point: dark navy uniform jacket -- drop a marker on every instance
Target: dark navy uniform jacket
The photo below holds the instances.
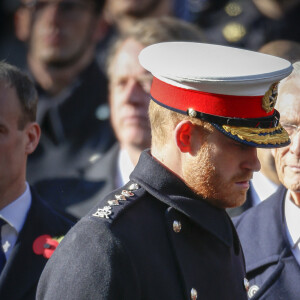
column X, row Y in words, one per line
column 272, row 270
column 152, row 239
column 19, row 278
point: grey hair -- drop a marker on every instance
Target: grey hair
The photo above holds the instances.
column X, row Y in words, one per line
column 296, row 70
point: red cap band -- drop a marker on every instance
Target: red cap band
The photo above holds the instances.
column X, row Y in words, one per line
column 214, row 104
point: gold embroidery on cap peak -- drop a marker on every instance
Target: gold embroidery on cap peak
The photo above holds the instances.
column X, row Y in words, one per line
column 270, row 97
column 259, row 135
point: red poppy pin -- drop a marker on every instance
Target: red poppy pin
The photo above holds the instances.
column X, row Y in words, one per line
column 45, row 245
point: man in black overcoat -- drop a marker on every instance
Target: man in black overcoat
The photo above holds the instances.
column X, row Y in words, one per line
column 29, row 229
column 272, row 254
column 61, row 38
column 165, row 234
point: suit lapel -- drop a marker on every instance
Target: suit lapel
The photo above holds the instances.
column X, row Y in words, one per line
column 23, row 268
column 21, row 274
column 76, row 196
column 100, row 179
column 272, row 253
column 284, row 277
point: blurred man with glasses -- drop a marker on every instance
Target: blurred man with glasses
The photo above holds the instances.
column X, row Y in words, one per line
column 61, row 37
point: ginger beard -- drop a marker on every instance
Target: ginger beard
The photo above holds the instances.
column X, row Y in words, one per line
column 202, row 176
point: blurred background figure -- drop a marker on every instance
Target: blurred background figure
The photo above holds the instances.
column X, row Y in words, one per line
column 125, row 13
column 272, row 254
column 246, row 23
column 11, row 49
column 61, row 38
column 286, row 49
column 24, row 217
column 129, row 96
column 121, row 15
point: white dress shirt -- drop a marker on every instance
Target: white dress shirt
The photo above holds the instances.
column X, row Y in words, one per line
column 263, row 187
column 292, row 219
column 15, row 215
column 125, row 167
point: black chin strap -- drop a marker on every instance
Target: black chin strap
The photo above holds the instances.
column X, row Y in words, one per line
column 267, row 122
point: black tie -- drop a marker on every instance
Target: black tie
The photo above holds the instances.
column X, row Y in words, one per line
column 2, row 255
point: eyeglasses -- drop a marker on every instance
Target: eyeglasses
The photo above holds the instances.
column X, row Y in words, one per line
column 291, row 128
column 66, row 8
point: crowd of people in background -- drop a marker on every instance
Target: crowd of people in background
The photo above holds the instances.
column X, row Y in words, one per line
column 92, row 123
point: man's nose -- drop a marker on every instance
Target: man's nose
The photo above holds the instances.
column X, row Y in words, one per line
column 252, row 162
column 135, row 93
column 295, row 144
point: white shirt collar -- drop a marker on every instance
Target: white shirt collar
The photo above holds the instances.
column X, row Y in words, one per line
column 16, row 212
column 125, row 167
column 292, row 217
column 263, row 186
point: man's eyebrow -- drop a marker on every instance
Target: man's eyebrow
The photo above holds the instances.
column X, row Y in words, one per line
column 146, row 76
column 290, row 120
column 2, row 126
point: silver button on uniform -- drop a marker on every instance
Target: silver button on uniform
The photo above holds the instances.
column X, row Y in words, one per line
column 252, row 290
column 246, row 284
column 176, row 226
column 133, row 187
column 194, row 294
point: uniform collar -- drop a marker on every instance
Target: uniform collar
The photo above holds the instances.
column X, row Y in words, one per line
column 170, row 189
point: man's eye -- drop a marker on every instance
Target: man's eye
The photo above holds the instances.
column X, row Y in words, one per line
column 120, row 83
column 289, row 128
column 146, row 85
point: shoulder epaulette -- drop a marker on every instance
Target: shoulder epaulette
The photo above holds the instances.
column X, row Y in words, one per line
column 113, row 205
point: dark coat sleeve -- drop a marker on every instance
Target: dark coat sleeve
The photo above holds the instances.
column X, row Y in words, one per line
column 90, row 263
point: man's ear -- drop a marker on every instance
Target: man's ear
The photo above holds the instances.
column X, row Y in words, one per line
column 183, row 134
column 22, row 24
column 100, row 30
column 33, row 132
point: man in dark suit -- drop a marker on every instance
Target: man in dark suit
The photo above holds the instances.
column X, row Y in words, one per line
column 165, row 234
column 270, row 232
column 72, row 111
column 30, row 229
column 129, row 96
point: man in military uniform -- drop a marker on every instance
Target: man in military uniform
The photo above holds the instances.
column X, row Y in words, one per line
column 165, row 234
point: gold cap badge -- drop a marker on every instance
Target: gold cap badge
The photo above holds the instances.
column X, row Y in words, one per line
column 270, row 97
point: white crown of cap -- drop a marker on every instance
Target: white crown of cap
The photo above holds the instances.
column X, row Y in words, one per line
column 214, row 68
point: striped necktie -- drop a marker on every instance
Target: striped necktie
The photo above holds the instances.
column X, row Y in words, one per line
column 2, row 255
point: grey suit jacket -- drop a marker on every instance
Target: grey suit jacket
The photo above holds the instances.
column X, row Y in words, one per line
column 272, row 269
column 76, row 196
